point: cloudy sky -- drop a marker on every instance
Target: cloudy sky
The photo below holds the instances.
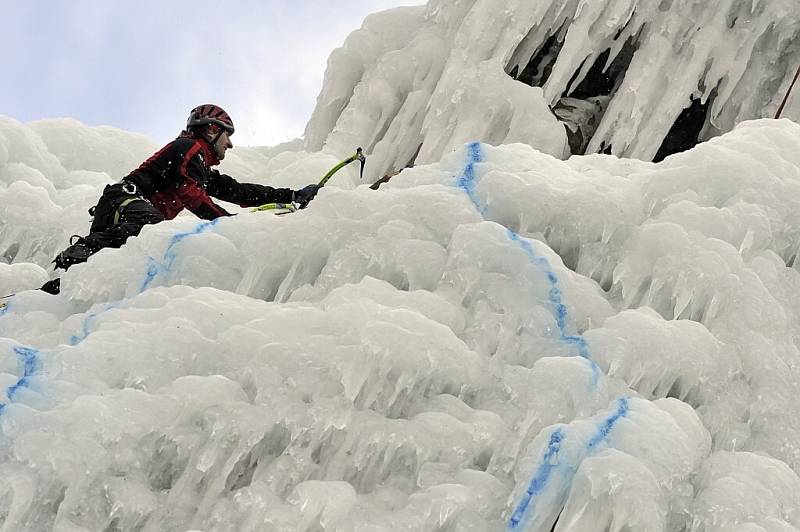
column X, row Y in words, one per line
column 140, row 65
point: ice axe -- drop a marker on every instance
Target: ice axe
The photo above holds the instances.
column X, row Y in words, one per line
column 358, row 156
column 286, row 208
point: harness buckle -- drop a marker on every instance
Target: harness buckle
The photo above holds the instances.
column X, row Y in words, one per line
column 129, row 188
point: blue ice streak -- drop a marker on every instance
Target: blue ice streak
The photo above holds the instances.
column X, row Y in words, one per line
column 550, row 463
column 154, row 268
column 30, row 359
column 467, row 181
column 554, row 295
column 623, row 407
column 86, row 329
column 540, row 478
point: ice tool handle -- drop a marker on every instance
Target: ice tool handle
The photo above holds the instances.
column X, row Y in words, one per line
column 286, row 208
column 358, row 156
column 277, row 208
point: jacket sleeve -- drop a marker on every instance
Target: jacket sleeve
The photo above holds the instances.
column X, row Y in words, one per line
column 192, row 190
column 226, row 188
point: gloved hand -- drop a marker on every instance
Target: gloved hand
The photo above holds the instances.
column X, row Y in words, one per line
column 304, row 196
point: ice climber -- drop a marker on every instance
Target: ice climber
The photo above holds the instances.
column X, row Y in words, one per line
column 177, row 176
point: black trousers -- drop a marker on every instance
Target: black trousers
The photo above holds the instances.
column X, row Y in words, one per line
column 120, row 213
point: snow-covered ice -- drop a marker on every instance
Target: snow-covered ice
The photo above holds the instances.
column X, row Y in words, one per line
column 416, row 82
column 497, row 340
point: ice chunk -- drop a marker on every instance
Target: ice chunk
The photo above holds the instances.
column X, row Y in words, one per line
column 743, row 491
column 546, row 474
column 425, row 356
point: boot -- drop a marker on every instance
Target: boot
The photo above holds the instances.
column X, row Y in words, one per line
column 78, row 251
column 52, row 287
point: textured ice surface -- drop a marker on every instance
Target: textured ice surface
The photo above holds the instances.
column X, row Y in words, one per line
column 414, row 83
column 500, row 340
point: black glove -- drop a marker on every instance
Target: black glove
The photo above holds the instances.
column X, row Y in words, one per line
column 304, row 196
column 78, row 252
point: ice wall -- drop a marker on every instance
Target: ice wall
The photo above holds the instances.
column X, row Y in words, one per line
column 413, row 83
column 52, row 171
column 499, row 340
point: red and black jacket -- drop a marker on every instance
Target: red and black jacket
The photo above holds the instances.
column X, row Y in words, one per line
column 179, row 175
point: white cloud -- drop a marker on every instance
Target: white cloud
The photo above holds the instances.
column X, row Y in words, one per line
column 141, row 65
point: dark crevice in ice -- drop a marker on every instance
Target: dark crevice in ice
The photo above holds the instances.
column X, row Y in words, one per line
column 555, row 523
column 166, row 464
column 685, row 132
column 10, row 253
column 540, row 65
column 583, row 104
column 385, row 179
column 602, row 81
column 581, row 108
column 272, row 445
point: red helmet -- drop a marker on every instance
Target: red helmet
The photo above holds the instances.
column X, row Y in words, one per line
column 209, row 114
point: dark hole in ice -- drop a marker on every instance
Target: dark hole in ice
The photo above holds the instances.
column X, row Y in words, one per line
column 685, row 132
column 10, row 253
column 601, row 81
column 582, row 108
column 538, row 69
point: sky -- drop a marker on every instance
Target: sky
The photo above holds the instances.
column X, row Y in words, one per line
column 141, row 65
